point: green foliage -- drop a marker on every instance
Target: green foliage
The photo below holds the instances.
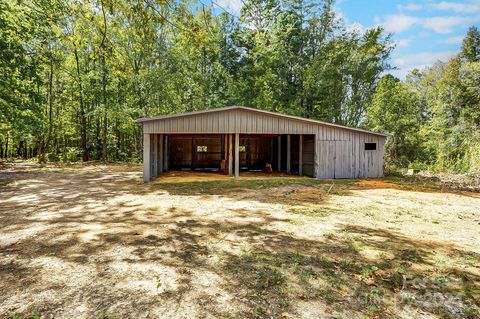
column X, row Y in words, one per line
column 417, row 165
column 395, row 109
column 471, row 45
column 76, row 74
column 434, row 117
column 71, row 154
column 34, row 315
column 455, row 123
column 105, row 315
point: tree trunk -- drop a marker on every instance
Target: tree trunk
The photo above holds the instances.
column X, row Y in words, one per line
column 50, row 107
column 104, row 86
column 6, row 146
column 83, row 121
column 105, row 118
column 118, row 140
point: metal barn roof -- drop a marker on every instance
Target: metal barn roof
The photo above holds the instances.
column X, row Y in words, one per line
column 259, row 111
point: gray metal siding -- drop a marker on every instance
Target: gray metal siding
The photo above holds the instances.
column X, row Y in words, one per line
column 339, row 152
column 231, row 121
column 326, row 159
column 344, row 159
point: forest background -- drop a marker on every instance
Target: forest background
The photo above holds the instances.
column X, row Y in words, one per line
column 75, row 75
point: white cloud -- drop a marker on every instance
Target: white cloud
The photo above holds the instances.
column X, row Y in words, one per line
column 408, row 62
column 410, row 7
column 350, row 26
column 453, row 40
column 471, row 7
column 356, row 27
column 234, row 5
column 399, row 73
column 339, row 14
column 423, row 58
column 399, row 22
column 445, row 24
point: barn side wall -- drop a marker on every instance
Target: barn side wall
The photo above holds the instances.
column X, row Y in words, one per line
column 347, row 158
column 338, row 152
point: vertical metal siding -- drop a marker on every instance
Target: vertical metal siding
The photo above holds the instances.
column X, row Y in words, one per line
column 326, row 159
column 353, row 160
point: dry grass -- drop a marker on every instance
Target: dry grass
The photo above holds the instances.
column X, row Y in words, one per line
column 95, row 242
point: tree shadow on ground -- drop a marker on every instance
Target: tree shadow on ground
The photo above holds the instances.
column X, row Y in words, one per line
column 273, row 271
column 197, row 266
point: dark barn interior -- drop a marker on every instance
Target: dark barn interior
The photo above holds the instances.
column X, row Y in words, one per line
column 210, row 152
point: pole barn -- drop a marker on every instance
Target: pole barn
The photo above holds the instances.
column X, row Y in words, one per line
column 237, row 138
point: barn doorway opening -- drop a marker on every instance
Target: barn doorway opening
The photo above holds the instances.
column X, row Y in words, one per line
column 255, row 152
column 195, row 152
column 215, row 152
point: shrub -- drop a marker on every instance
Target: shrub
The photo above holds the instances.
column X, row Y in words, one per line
column 71, row 154
column 52, row 157
column 417, row 165
column 393, row 170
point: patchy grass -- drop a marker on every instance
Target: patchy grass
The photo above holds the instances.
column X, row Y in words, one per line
column 320, row 211
column 6, row 181
column 95, row 242
column 230, row 185
column 443, row 182
column 34, row 315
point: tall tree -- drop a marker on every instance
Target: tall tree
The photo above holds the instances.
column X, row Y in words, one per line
column 395, row 109
column 81, row 72
column 471, row 45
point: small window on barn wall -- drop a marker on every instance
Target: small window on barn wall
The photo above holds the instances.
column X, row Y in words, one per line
column 370, row 146
column 242, row 148
column 202, row 149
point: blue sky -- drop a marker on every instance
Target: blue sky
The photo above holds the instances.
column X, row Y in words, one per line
column 425, row 30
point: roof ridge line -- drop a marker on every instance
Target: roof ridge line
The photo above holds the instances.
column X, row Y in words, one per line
column 233, row 107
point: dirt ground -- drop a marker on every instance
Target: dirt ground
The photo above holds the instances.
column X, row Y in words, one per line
column 95, row 242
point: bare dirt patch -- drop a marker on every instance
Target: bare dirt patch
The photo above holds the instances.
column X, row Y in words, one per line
column 88, row 241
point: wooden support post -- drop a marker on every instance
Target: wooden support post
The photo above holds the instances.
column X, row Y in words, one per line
column 194, row 152
column 316, row 158
column 230, row 154
column 155, row 155
column 225, row 153
column 237, row 155
column 271, row 152
column 289, row 153
column 279, row 146
column 225, row 147
column 146, row 158
column 160, row 154
column 152, row 156
column 165, row 153
column 300, row 155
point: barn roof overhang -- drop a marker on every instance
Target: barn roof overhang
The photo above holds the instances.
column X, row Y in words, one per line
column 250, row 109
